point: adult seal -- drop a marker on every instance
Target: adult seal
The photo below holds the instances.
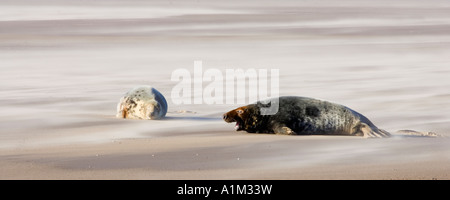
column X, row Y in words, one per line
column 303, row 116
column 143, row 102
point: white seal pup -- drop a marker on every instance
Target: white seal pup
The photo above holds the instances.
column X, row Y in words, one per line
column 304, row 116
column 142, row 102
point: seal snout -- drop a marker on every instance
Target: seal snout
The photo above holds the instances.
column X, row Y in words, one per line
column 235, row 116
column 228, row 118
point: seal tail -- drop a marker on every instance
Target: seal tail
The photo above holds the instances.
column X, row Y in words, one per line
column 384, row 133
column 374, row 132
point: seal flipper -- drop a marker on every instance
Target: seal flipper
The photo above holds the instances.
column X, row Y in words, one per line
column 283, row 130
column 412, row 133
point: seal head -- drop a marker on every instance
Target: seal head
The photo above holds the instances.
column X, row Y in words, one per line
column 246, row 118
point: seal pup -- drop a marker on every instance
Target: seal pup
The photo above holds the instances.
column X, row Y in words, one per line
column 303, row 116
column 142, row 102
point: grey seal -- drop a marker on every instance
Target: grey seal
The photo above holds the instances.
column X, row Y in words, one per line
column 303, row 116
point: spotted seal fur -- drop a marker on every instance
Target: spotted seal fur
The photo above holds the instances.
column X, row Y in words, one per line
column 142, row 102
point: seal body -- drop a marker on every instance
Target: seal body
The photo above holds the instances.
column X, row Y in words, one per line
column 303, row 116
column 143, row 102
